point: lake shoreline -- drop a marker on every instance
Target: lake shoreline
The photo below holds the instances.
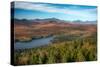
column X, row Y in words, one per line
column 33, row 43
column 32, row 38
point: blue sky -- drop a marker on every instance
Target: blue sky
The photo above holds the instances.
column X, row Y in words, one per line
column 28, row 10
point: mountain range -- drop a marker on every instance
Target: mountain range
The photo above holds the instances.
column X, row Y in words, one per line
column 50, row 20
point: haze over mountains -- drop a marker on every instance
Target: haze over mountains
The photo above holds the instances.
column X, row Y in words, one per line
column 51, row 20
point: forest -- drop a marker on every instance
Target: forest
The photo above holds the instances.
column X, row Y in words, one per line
column 63, row 49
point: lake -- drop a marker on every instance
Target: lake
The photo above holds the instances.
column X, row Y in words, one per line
column 33, row 43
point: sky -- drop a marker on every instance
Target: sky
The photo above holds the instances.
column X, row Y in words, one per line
column 68, row 12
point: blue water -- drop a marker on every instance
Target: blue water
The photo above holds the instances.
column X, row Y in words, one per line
column 33, row 43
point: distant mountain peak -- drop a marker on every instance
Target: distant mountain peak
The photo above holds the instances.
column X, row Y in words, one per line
column 53, row 18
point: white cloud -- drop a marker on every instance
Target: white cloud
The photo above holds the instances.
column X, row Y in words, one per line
column 48, row 8
column 31, row 6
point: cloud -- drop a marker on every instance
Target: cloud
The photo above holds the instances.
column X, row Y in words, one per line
column 33, row 6
column 44, row 7
column 72, row 10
